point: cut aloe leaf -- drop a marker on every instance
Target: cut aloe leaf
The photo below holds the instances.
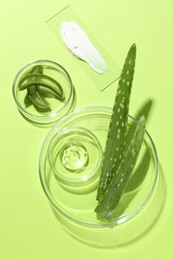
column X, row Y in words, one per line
column 36, row 98
column 111, row 198
column 36, row 69
column 115, row 144
column 33, row 92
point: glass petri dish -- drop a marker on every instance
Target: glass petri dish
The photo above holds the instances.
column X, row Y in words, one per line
column 139, row 204
column 40, row 103
column 75, row 156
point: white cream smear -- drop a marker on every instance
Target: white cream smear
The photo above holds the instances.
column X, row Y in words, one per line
column 80, row 45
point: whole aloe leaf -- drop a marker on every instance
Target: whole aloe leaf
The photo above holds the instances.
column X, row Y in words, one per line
column 115, row 189
column 115, row 143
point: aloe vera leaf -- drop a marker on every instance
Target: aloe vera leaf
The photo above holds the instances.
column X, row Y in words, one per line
column 115, row 143
column 43, row 80
column 116, row 188
column 36, row 98
column 33, row 91
column 36, row 69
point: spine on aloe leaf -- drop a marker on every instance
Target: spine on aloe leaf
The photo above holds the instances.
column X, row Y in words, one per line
column 116, row 188
column 115, row 144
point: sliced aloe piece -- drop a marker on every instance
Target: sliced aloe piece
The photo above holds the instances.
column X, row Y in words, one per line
column 33, row 91
column 115, row 144
column 43, row 80
column 106, row 207
column 36, row 98
column 36, row 69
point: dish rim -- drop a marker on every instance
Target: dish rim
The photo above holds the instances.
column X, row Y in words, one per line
column 100, row 224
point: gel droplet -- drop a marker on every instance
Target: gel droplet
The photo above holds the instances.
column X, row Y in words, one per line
column 74, row 157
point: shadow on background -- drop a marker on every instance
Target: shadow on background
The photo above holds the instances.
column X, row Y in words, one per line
column 145, row 110
column 120, row 235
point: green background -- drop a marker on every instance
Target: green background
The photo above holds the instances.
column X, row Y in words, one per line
column 28, row 227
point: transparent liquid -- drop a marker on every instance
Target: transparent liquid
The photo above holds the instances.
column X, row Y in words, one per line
column 74, row 157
